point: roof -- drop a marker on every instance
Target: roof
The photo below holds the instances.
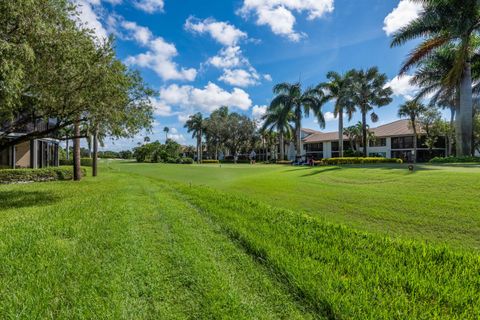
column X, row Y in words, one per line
column 396, row 128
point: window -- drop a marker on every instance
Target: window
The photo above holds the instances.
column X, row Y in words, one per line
column 402, row 143
column 378, row 154
column 378, row 142
column 5, row 158
column 314, row 147
column 335, row 146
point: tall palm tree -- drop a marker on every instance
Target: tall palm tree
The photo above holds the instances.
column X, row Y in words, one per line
column 369, row 90
column 166, row 130
column 338, row 88
column 195, row 124
column 291, row 98
column 444, row 23
column 412, row 110
column 277, row 119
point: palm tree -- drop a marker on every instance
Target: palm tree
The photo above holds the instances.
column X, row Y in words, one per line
column 146, row 139
column 443, row 23
column 277, row 119
column 195, row 125
column 291, row 98
column 412, row 110
column 369, row 90
column 166, row 130
column 338, row 89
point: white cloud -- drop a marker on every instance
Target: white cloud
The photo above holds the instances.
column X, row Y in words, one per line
column 404, row 13
column 402, row 88
column 267, row 77
column 207, row 99
column 240, row 77
column 228, row 57
column 149, row 6
column 329, row 116
column 89, row 17
column 223, row 32
column 278, row 14
column 160, row 108
column 160, row 55
column 258, row 112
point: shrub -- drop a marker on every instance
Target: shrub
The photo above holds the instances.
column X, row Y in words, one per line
column 85, row 162
column 238, row 161
column 284, row 162
column 187, row 161
column 354, row 160
column 210, row 161
column 455, row 159
column 37, row 175
column 172, row 160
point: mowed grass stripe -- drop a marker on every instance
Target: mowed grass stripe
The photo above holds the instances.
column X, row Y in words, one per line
column 123, row 247
column 347, row 274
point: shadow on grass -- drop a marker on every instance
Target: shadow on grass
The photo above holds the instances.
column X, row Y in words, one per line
column 22, row 199
column 320, row 171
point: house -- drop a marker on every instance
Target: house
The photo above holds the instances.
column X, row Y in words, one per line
column 392, row 140
column 36, row 153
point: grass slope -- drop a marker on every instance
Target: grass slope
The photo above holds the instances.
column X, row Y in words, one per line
column 439, row 204
column 131, row 244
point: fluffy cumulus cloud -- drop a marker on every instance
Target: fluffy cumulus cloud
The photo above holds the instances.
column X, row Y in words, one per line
column 258, row 112
column 405, row 12
column 279, row 14
column 89, row 16
column 160, row 54
column 222, row 32
column 228, row 57
column 149, row 6
column 240, row 77
column 176, row 136
column 205, row 99
column 329, row 116
column 402, row 88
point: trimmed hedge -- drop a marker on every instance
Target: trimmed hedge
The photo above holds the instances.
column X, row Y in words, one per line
column 84, row 162
column 37, row 175
column 284, row 162
column 356, row 160
column 210, row 161
column 455, row 160
column 186, row 161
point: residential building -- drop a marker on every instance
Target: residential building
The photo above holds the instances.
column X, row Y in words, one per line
column 392, row 140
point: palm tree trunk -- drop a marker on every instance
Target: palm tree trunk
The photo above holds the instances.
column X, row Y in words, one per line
column 298, row 134
column 77, row 170
column 415, row 141
column 95, row 153
column 340, row 134
column 464, row 146
column 282, row 147
column 450, row 136
column 89, row 144
column 364, row 133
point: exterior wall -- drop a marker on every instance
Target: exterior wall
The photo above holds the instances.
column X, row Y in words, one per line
column 327, row 150
column 22, row 155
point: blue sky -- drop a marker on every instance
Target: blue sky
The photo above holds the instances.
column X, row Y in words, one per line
column 201, row 54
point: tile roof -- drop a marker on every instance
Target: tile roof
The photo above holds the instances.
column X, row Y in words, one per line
column 396, row 128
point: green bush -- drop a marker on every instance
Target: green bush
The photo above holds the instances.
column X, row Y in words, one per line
column 210, row 161
column 284, row 162
column 37, row 175
column 238, row 161
column 187, row 161
column 85, row 162
column 355, row 160
column 455, row 159
column 171, row 160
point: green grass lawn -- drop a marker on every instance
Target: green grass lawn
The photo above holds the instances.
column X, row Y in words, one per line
column 151, row 241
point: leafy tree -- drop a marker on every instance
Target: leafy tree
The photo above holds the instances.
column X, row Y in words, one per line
column 166, row 130
column 195, row 124
column 412, row 110
column 355, row 136
column 441, row 23
column 277, row 119
column 291, row 99
column 338, row 88
column 430, row 120
column 241, row 133
column 369, row 90
column 216, row 130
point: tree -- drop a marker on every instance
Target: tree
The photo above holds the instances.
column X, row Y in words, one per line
column 338, row 88
column 277, row 119
column 291, row 98
column 368, row 90
column 355, row 136
column 241, row 133
column 216, row 130
column 166, row 130
column 195, row 124
column 430, row 120
column 146, row 139
column 412, row 110
column 441, row 23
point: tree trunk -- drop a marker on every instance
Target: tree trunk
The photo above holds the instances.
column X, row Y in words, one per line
column 95, row 153
column 298, row 134
column 282, row 147
column 450, row 136
column 464, row 146
column 415, row 141
column 67, row 148
column 364, row 133
column 77, row 170
column 340, row 134
column 89, row 144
